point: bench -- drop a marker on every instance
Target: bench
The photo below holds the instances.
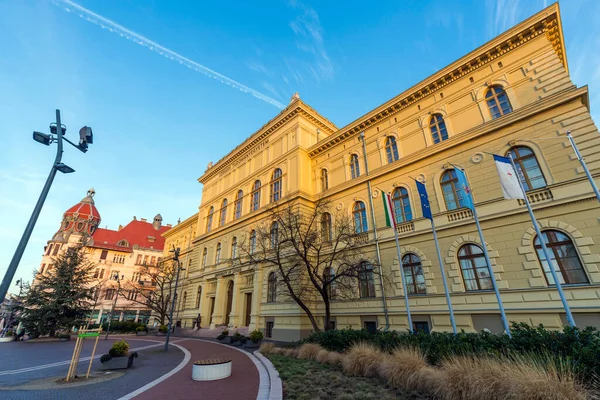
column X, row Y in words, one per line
column 211, row 369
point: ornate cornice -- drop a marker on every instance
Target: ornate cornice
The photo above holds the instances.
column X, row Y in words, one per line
column 297, row 107
column 545, row 22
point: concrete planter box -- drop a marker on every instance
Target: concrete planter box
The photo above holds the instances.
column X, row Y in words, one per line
column 141, row 333
column 224, row 340
column 252, row 345
column 161, row 334
column 210, row 370
column 7, row 339
column 64, row 339
column 119, row 362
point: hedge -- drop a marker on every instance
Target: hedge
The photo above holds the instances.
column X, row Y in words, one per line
column 581, row 347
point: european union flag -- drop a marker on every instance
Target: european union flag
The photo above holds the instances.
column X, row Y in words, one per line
column 424, row 200
column 464, row 189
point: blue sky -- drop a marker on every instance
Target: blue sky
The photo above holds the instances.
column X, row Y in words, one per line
column 158, row 123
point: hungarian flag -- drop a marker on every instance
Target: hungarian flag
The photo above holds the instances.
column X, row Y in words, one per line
column 509, row 181
column 390, row 220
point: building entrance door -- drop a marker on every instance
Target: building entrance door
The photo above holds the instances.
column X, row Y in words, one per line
column 229, row 301
column 212, row 310
column 248, row 309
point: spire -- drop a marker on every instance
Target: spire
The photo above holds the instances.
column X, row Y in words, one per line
column 89, row 198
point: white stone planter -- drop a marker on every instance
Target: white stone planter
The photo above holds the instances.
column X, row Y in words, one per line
column 7, row 339
column 211, row 370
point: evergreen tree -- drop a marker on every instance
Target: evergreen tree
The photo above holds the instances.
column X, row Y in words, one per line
column 60, row 298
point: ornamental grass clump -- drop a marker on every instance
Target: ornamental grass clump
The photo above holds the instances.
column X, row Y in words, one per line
column 266, row 348
column 334, row 358
column 401, row 368
column 309, row 351
column 322, row 356
column 362, row 360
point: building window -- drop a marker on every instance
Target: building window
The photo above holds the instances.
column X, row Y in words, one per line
column 413, row 274
column 329, row 280
column 354, row 166
column 439, row 133
column 184, row 301
column 255, row 204
column 109, row 294
column 421, row 326
column 391, row 149
column 565, row 260
column 234, row 247
column 366, row 280
column 453, row 194
column 145, row 262
column 359, row 214
column 56, row 249
column 104, row 254
column 138, row 261
column 269, row 329
column 209, row 218
column 101, row 274
column 198, row 296
column 238, row 204
column 497, row 102
column 274, row 234
column 223, row 213
column 475, row 271
column 44, row 267
column 272, row 288
column 204, row 255
column 402, row 211
column 324, row 180
column 370, row 326
column 276, row 185
column 252, row 242
column 218, row 253
column 528, row 168
column 49, row 249
column 326, row 233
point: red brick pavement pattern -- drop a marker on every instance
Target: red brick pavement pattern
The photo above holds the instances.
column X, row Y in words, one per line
column 241, row 385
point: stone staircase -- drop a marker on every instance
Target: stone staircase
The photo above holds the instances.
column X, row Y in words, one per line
column 212, row 333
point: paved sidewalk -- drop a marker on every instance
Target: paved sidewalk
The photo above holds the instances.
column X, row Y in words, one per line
column 243, row 384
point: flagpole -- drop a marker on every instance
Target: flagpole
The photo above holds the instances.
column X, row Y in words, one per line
column 583, row 164
column 439, row 254
column 410, row 325
column 570, row 318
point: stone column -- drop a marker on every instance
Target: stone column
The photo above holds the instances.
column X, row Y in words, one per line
column 255, row 322
column 218, row 317
column 235, row 307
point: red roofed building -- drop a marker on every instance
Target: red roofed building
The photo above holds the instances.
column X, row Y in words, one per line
column 121, row 253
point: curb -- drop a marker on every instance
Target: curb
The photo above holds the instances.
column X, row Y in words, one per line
column 276, row 390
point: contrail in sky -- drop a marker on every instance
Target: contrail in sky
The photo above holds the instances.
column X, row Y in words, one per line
column 105, row 23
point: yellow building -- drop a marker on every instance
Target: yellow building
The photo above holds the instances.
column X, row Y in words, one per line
column 514, row 93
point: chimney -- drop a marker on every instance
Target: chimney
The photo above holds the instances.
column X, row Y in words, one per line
column 143, row 219
column 134, row 218
column 120, row 227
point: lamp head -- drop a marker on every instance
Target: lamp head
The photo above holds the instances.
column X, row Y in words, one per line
column 42, row 138
column 54, row 131
column 85, row 137
column 65, row 169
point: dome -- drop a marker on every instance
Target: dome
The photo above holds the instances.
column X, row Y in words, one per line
column 82, row 217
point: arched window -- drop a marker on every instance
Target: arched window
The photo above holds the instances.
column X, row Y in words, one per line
column 475, row 271
column 223, row 213
column 218, row 253
column 209, row 218
column 237, row 207
column 272, row 288
column 255, row 197
column 324, row 180
column 439, row 133
column 453, row 193
column 565, row 259
column 274, row 234
column 402, row 210
column 528, row 168
column 198, row 296
column 276, row 185
column 328, row 279
column 183, row 301
column 497, row 101
column 391, row 149
column 413, row 274
column 204, row 255
column 366, row 280
column 354, row 166
column 252, row 242
column 326, row 233
column 359, row 214
column 234, row 247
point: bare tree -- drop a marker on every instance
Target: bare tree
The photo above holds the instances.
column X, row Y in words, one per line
column 155, row 288
column 316, row 254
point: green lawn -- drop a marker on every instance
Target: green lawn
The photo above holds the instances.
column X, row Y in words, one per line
column 310, row 380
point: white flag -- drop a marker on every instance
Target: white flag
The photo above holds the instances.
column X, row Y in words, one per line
column 508, row 178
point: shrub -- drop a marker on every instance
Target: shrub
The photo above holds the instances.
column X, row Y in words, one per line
column 237, row 337
column 223, row 334
column 105, row 357
column 309, row 351
column 64, row 336
column 266, row 348
column 9, row 332
column 141, row 328
column 401, row 368
column 163, row 329
column 122, row 326
column 119, row 349
column 256, row 336
column 362, row 360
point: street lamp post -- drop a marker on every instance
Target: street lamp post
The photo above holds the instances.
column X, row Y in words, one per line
column 114, row 304
column 175, row 252
column 57, row 135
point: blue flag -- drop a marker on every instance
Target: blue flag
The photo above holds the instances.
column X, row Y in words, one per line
column 463, row 189
column 424, row 200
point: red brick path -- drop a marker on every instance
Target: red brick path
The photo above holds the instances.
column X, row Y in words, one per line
column 241, row 385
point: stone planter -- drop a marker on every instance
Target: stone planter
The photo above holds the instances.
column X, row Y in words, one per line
column 224, row 340
column 64, row 339
column 252, row 345
column 210, row 370
column 236, row 343
column 141, row 333
column 119, row 362
column 7, row 339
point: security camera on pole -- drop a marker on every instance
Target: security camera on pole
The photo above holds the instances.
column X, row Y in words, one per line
column 57, row 132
